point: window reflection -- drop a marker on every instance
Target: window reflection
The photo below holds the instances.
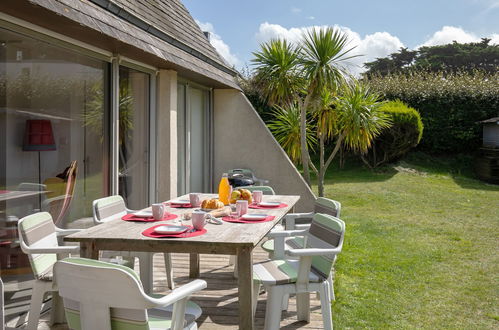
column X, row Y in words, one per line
column 53, row 140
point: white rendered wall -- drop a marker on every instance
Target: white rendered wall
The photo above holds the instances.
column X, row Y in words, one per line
column 241, row 140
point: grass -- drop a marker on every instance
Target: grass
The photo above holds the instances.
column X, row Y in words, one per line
column 421, row 249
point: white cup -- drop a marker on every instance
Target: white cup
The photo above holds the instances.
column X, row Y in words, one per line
column 195, row 199
column 242, row 207
column 158, row 211
column 199, row 219
column 257, row 196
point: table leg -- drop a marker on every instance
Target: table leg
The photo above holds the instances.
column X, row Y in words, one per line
column 194, row 265
column 89, row 250
column 146, row 270
column 245, row 283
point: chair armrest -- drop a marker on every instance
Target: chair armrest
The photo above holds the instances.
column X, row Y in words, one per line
column 290, row 219
column 178, row 294
column 286, row 233
column 50, row 250
column 303, row 226
column 310, row 252
column 65, row 232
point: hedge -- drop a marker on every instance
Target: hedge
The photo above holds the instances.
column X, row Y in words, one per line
column 450, row 105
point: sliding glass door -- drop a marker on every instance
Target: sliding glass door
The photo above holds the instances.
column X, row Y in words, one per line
column 134, row 137
column 193, row 129
column 54, row 144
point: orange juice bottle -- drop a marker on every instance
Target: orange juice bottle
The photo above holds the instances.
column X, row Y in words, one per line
column 224, row 189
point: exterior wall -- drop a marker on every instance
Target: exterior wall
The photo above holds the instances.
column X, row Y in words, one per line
column 491, row 134
column 241, row 140
column 166, row 141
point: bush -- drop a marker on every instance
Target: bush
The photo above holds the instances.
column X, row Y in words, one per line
column 450, row 105
column 394, row 142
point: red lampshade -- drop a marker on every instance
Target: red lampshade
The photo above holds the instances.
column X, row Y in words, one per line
column 38, row 135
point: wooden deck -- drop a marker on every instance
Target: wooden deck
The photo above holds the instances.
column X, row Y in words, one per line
column 219, row 300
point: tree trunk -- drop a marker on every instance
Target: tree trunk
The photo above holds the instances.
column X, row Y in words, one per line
column 322, row 170
column 303, row 144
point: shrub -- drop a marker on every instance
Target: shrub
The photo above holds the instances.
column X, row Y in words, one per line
column 394, row 142
column 450, row 105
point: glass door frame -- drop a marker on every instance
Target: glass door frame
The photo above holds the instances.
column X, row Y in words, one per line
column 118, row 61
column 208, row 136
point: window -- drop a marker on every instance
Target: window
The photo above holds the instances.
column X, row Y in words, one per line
column 134, row 137
column 193, row 129
column 54, row 139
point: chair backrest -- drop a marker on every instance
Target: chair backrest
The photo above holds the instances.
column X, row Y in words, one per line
column 36, row 231
column 326, row 232
column 108, row 208
column 327, row 206
column 267, row 190
column 101, row 295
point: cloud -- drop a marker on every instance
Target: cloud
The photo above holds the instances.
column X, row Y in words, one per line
column 448, row 34
column 367, row 48
column 295, row 10
column 494, row 39
column 217, row 42
column 310, row 17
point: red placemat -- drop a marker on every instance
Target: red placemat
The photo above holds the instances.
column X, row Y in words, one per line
column 256, row 206
column 229, row 219
column 179, row 206
column 4, row 191
column 131, row 217
column 149, row 232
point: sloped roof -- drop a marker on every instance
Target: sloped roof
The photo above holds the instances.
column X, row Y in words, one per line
column 173, row 18
column 161, row 28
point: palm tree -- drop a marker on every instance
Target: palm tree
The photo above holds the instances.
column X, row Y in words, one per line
column 286, row 128
column 276, row 72
column 321, row 56
column 354, row 119
column 286, row 73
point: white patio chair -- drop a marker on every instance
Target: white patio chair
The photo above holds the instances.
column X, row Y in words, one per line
column 323, row 240
column 295, row 221
column 38, row 239
column 266, row 190
column 100, row 295
column 113, row 207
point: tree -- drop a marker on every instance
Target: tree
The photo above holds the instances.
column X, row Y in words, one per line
column 297, row 75
column 448, row 58
column 351, row 120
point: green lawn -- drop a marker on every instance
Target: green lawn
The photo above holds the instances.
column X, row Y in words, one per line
column 421, row 249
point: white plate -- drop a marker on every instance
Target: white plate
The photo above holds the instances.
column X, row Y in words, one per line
column 254, row 217
column 143, row 214
column 171, row 229
column 180, row 202
column 269, row 204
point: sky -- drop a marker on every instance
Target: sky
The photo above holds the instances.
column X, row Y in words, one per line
column 376, row 28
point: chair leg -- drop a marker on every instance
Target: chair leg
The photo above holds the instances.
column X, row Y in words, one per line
column 169, row 270
column 57, row 310
column 285, row 302
column 256, row 293
column 330, row 280
column 303, row 306
column 326, row 306
column 35, row 305
column 273, row 309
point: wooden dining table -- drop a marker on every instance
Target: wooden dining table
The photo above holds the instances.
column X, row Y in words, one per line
column 229, row 238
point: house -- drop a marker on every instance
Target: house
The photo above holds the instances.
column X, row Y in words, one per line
column 135, row 94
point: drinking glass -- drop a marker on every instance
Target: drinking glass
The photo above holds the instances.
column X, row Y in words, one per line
column 257, row 196
column 234, row 211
